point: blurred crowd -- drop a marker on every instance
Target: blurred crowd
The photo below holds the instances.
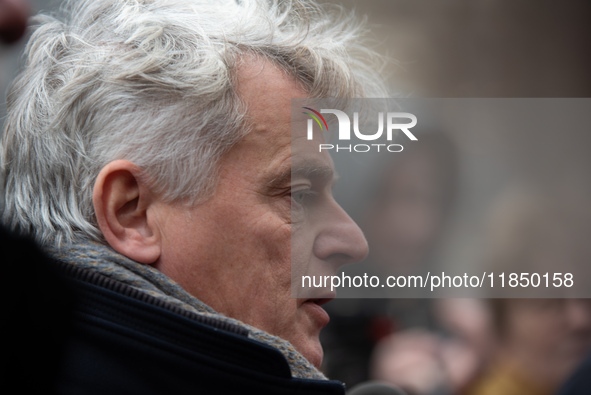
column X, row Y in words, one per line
column 464, row 346
column 522, row 346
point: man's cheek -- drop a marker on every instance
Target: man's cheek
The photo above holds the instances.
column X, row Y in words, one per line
column 274, row 239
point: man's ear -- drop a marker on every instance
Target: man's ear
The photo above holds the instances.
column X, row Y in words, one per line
column 123, row 206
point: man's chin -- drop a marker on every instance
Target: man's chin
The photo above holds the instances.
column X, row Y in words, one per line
column 313, row 318
column 312, row 351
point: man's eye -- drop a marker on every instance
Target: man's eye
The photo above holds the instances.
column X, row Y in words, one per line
column 301, row 197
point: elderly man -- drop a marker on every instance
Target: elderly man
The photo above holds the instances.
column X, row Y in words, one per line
column 147, row 147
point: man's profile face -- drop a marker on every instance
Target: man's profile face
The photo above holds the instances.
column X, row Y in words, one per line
column 233, row 252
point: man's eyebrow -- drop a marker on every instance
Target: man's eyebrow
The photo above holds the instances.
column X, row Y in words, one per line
column 307, row 170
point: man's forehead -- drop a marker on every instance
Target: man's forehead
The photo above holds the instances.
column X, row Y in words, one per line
column 267, row 91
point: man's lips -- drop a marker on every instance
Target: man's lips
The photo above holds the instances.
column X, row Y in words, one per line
column 320, row 301
column 318, row 314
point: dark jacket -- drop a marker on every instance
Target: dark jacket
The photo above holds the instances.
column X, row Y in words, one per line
column 99, row 336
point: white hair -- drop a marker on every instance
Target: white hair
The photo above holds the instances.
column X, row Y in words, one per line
column 153, row 82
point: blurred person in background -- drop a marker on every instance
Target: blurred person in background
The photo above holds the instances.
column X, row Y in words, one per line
column 433, row 346
column 13, row 20
column 444, row 360
column 411, row 203
column 509, row 346
column 538, row 343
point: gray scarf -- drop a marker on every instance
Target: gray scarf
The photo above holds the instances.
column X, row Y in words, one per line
column 104, row 260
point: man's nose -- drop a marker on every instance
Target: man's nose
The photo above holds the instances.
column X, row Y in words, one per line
column 340, row 241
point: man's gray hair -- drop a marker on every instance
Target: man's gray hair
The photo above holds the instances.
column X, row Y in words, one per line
column 153, row 82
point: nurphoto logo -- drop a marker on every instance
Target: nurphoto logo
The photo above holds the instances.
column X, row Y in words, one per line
column 344, row 130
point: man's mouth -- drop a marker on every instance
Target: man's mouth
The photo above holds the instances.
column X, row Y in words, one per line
column 318, row 314
column 320, row 301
